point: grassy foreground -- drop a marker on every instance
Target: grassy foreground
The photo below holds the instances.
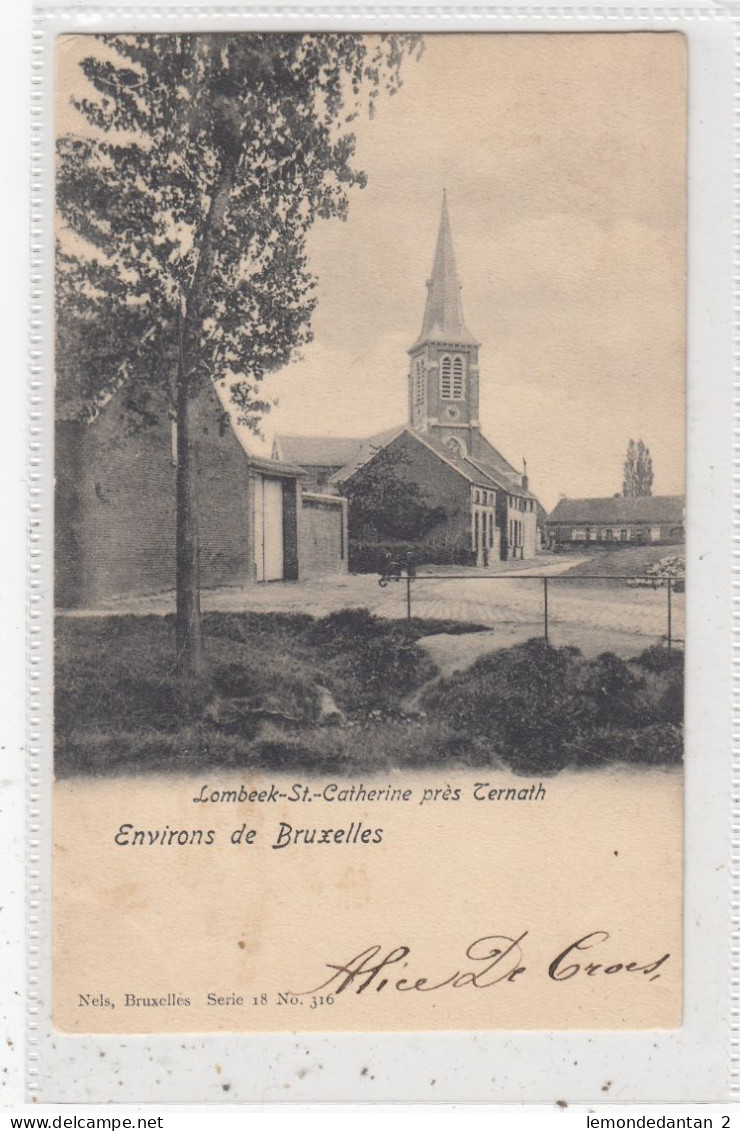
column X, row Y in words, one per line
column 349, row 693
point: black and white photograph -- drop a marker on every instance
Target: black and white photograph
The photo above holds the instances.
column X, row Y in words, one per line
column 400, row 491
column 369, row 529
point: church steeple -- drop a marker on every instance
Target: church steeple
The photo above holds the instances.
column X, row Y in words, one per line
column 443, row 315
column 443, row 372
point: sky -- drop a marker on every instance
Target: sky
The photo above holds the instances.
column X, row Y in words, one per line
column 563, row 157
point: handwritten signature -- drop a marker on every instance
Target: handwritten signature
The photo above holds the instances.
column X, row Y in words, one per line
column 492, row 960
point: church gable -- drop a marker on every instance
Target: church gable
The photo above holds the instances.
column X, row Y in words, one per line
column 407, row 491
column 410, row 456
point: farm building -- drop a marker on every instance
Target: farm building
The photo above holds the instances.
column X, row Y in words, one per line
column 620, row 519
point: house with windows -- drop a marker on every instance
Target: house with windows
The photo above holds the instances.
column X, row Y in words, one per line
column 578, row 523
column 489, row 511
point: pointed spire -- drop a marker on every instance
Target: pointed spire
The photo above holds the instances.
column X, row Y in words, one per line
column 443, row 316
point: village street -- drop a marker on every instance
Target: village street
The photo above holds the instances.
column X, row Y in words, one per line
column 595, row 617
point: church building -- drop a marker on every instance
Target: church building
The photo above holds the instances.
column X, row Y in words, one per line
column 486, row 510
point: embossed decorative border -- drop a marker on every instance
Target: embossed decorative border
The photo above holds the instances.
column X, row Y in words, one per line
column 370, row 16
column 35, row 515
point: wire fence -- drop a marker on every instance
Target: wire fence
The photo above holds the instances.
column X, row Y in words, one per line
column 671, row 585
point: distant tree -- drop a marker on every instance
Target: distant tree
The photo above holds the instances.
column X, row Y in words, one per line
column 185, row 209
column 638, row 470
column 385, row 506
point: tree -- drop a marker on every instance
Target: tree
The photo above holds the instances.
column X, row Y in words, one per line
column 185, row 209
column 638, row 470
column 383, row 505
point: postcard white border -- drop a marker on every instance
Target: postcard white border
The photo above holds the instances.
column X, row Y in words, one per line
column 700, row 1061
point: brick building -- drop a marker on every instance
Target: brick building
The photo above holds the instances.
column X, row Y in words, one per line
column 491, row 511
column 115, row 512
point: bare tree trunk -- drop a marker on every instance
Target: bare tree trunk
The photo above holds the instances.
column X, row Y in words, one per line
column 189, row 640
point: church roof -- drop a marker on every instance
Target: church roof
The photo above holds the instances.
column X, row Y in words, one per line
column 484, row 452
column 486, row 460
column 376, row 443
column 443, row 315
column 477, row 472
column 494, row 474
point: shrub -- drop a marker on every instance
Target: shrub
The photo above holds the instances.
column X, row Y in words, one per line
column 373, row 663
column 671, row 703
column 525, row 700
column 346, row 625
column 388, row 667
column 659, row 744
column 616, row 692
column 245, row 627
column 542, row 708
column 371, row 557
column 659, row 659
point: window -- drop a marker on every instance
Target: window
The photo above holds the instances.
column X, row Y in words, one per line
column 655, row 534
column 609, row 534
column 446, row 379
column 623, row 534
column 457, row 379
column 451, row 384
column 419, row 381
column 455, row 447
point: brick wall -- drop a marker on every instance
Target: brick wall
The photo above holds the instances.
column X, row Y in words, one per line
column 322, row 536
column 115, row 508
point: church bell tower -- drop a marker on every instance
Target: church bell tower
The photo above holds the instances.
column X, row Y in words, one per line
column 443, row 362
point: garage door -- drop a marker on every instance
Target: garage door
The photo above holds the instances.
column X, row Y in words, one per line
column 268, row 530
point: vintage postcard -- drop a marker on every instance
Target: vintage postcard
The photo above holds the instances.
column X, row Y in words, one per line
column 369, row 535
